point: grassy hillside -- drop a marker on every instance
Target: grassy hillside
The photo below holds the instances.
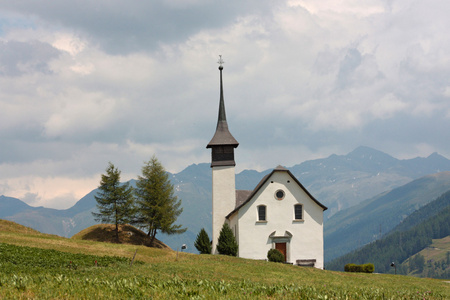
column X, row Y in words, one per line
column 438, row 250
column 56, row 267
column 436, row 260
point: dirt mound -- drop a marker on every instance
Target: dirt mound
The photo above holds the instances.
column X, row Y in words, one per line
column 127, row 235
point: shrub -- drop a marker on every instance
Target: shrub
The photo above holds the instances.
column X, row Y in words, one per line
column 227, row 244
column 275, row 255
column 366, row 268
column 202, row 243
column 349, row 268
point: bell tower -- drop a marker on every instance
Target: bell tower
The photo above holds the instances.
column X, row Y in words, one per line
column 222, row 164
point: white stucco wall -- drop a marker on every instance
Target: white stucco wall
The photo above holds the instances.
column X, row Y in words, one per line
column 307, row 235
column 223, row 197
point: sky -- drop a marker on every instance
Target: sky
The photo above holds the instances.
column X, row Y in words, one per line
column 84, row 83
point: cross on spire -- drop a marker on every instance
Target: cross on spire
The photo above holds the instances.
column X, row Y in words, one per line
column 222, row 137
column 220, row 62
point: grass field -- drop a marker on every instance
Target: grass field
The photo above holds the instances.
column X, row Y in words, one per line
column 40, row 266
column 436, row 259
column 437, row 250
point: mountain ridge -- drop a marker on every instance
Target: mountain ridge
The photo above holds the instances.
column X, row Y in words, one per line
column 362, row 223
column 338, row 181
column 411, row 236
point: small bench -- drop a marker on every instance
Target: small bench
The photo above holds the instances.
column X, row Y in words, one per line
column 306, row 262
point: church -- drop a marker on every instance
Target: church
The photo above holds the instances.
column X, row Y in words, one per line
column 278, row 213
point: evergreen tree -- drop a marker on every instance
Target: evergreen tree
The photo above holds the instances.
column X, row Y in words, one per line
column 227, row 244
column 202, row 243
column 158, row 207
column 115, row 201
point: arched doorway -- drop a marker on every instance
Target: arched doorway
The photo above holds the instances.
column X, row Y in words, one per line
column 282, row 243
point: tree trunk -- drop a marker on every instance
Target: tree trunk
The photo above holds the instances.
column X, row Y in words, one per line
column 117, row 221
column 151, row 234
column 152, row 239
column 117, row 232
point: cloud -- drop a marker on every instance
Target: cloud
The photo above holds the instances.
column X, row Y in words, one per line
column 81, row 114
column 55, row 192
column 88, row 82
column 17, row 58
column 122, row 27
column 387, row 106
column 69, row 43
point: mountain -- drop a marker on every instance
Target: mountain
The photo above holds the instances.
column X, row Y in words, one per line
column 412, row 235
column 193, row 187
column 424, row 213
column 366, row 221
column 11, row 206
column 342, row 181
column 338, row 181
column 47, row 220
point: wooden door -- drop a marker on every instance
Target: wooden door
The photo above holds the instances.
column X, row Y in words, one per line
column 282, row 248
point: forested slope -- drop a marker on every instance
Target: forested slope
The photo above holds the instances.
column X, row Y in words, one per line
column 400, row 245
column 366, row 222
column 424, row 213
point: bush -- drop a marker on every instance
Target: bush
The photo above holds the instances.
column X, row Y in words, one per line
column 227, row 244
column 366, row 268
column 275, row 255
column 349, row 268
column 202, row 243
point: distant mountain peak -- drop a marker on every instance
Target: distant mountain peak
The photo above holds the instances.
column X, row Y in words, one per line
column 10, row 206
column 370, row 159
column 436, row 156
column 194, row 168
column 367, row 152
column 365, row 149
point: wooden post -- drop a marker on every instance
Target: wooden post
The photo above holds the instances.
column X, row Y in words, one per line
column 131, row 264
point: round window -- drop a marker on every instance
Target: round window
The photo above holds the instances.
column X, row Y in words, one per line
column 279, row 195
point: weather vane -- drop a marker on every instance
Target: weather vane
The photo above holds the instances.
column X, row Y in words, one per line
column 220, row 61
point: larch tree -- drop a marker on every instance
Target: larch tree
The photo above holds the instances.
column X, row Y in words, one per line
column 115, row 200
column 157, row 206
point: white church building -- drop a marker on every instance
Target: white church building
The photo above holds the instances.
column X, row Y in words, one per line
column 278, row 213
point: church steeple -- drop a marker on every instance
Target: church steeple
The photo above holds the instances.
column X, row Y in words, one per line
column 222, row 165
column 223, row 143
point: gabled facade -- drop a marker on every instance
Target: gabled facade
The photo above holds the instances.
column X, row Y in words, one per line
column 279, row 213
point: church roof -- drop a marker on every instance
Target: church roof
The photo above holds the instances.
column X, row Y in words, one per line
column 243, row 196
column 222, row 136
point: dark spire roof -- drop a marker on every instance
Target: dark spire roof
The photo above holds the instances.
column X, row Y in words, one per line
column 222, row 136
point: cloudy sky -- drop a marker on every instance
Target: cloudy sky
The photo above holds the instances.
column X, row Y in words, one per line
column 86, row 82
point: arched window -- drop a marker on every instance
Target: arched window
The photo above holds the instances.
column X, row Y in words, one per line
column 298, row 212
column 262, row 213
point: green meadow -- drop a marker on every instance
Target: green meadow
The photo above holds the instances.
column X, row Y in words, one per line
column 41, row 266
